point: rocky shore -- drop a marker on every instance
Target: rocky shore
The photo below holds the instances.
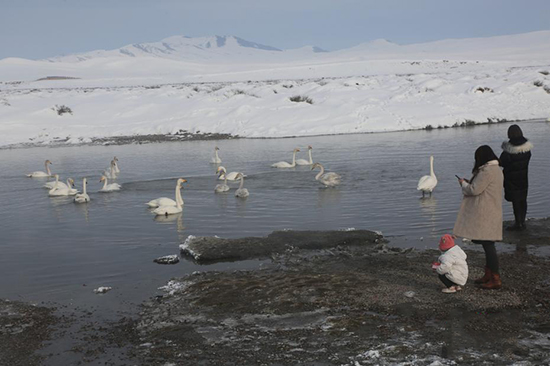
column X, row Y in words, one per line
column 357, row 302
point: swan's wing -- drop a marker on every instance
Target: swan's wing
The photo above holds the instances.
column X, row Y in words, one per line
column 281, row 164
column 426, row 182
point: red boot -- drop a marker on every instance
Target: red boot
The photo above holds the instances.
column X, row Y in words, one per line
column 494, row 283
column 486, row 278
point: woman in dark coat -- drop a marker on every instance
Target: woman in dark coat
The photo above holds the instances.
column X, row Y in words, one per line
column 515, row 161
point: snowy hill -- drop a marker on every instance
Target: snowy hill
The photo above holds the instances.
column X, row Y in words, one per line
column 229, row 85
column 181, row 48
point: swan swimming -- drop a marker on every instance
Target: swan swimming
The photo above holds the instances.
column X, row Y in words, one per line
column 216, row 159
column 223, row 174
column 111, row 171
column 304, row 161
column 82, row 197
column 46, row 174
column 116, row 168
column 165, row 201
column 222, row 187
column 427, row 183
column 108, row 187
column 171, row 210
column 241, row 192
column 56, row 184
column 66, row 191
column 327, row 179
column 284, row 164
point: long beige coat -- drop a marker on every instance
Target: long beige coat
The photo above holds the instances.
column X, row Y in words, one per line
column 480, row 215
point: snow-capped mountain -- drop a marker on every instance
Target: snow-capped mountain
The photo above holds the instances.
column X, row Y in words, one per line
column 183, row 48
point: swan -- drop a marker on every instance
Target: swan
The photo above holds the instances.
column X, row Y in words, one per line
column 66, row 191
column 116, row 168
column 56, row 184
column 327, row 179
column 111, row 171
column 216, row 159
column 241, row 192
column 82, row 197
column 47, row 174
column 222, row 187
column 108, row 187
column 427, row 183
column 284, row 164
column 165, row 201
column 171, row 210
column 224, row 175
column 304, row 161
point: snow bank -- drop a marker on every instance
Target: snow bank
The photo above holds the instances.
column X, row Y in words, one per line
column 264, row 109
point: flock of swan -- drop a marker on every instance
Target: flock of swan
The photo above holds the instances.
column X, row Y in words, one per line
column 167, row 206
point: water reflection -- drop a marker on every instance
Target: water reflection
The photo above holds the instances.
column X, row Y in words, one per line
column 428, row 206
column 328, row 197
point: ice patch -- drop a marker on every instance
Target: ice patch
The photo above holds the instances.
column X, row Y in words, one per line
column 174, row 286
column 186, row 250
column 102, row 289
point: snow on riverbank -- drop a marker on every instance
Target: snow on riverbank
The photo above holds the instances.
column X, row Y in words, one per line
column 246, row 91
column 264, row 109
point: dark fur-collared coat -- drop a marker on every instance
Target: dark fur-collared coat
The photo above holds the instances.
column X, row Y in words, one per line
column 515, row 159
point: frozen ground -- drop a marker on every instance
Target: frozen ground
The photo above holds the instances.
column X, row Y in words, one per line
column 238, row 88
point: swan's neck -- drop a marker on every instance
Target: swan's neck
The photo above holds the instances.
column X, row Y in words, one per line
column 242, row 182
column 320, row 173
column 56, row 180
column 432, row 168
column 225, row 180
column 84, row 187
column 69, row 184
column 310, row 157
column 48, row 169
column 294, row 158
column 179, row 199
column 216, row 155
column 105, row 183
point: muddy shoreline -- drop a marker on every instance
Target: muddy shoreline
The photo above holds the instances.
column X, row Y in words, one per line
column 358, row 304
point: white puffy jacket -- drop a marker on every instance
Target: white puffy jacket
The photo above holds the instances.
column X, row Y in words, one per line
column 453, row 265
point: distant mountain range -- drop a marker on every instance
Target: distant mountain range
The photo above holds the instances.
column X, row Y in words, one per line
column 230, row 48
column 192, row 49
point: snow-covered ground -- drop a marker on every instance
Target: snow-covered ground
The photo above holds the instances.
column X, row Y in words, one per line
column 228, row 85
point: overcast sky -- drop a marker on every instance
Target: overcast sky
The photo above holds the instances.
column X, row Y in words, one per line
column 44, row 28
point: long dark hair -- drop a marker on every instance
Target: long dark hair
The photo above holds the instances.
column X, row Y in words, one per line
column 483, row 155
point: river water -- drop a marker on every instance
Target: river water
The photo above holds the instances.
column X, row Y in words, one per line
column 56, row 251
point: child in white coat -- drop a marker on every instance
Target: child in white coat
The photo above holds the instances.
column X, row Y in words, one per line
column 451, row 265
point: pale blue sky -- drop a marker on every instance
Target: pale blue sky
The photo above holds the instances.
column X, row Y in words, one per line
column 44, row 28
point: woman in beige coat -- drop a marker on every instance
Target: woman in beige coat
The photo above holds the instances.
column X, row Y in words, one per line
column 480, row 215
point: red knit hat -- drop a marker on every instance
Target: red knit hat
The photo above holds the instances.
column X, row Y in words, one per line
column 446, row 242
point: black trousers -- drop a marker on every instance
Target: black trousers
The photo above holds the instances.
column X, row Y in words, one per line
column 491, row 257
column 520, row 210
column 447, row 282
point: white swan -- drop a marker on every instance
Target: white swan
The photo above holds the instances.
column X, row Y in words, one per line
column 108, row 187
column 222, row 187
column 304, row 161
column 56, row 183
column 327, row 179
column 165, row 201
column 171, row 210
column 223, row 174
column 284, row 164
column 82, row 197
column 111, row 171
column 66, row 191
column 116, row 168
column 46, row 174
column 216, row 159
column 241, row 192
column 427, row 183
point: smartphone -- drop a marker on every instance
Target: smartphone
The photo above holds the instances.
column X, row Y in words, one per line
column 457, row 177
